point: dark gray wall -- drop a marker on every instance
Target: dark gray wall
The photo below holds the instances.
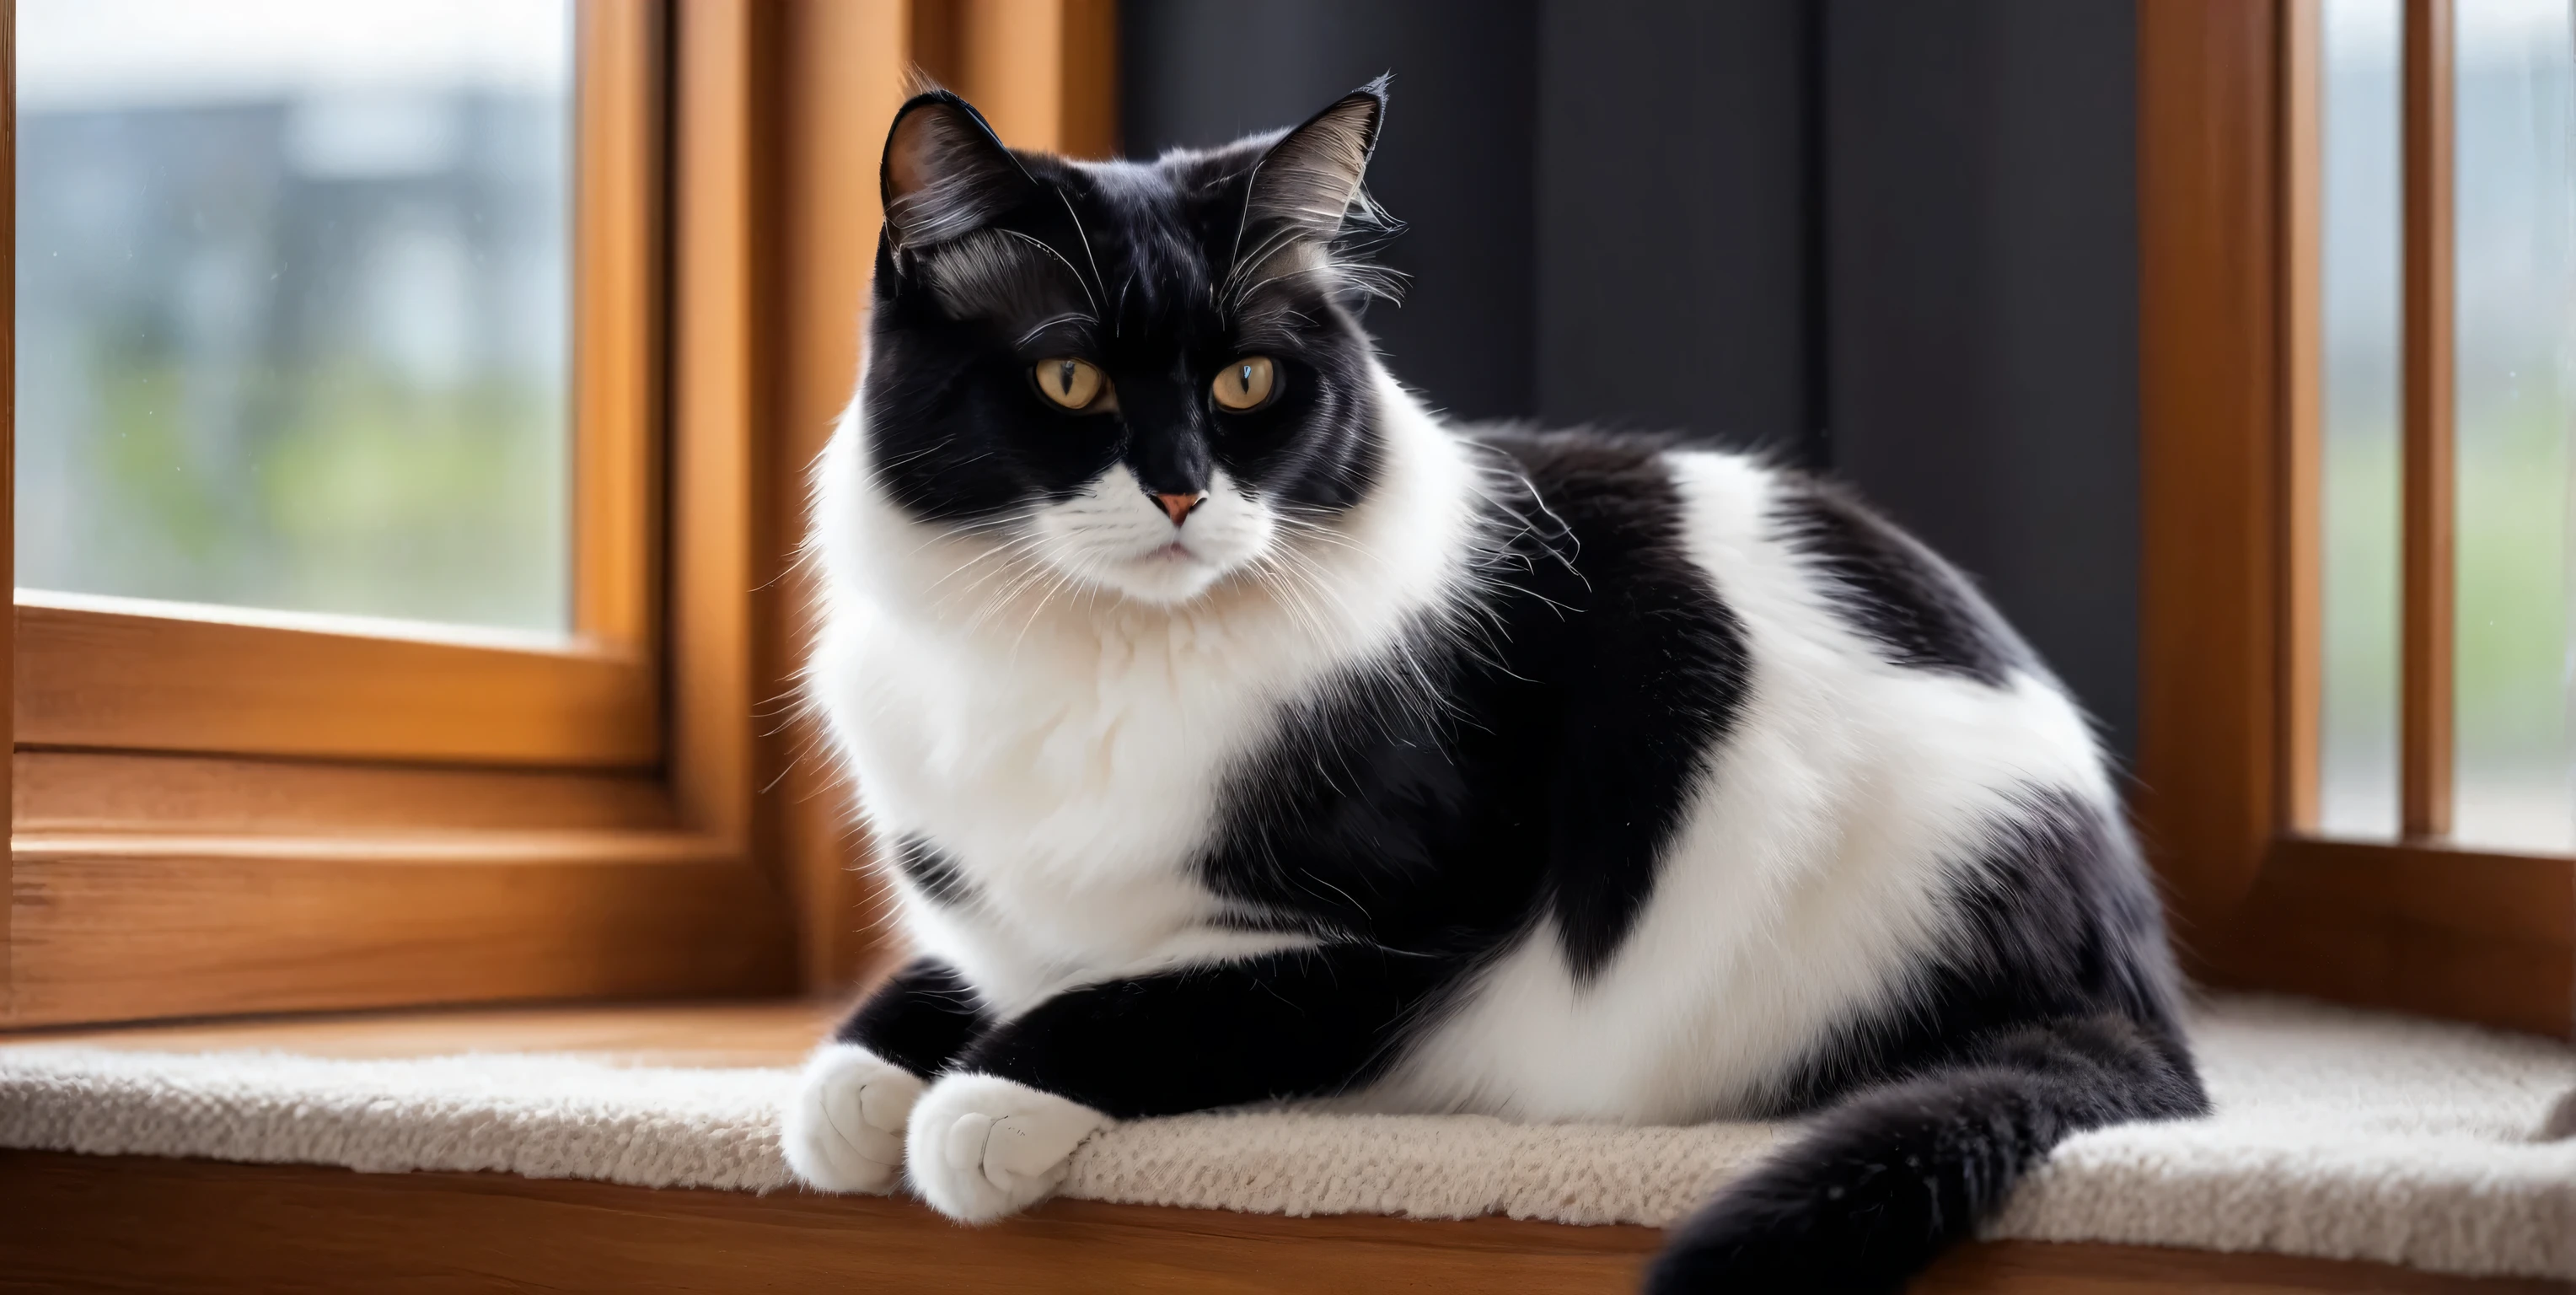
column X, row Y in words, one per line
column 1670, row 218
column 1454, row 159
column 1613, row 206
column 1982, row 306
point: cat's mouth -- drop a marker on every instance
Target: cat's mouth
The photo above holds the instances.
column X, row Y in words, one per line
column 1171, row 553
column 1173, row 571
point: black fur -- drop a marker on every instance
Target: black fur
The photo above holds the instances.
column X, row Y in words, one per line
column 1423, row 823
column 1887, row 1180
column 1526, row 760
column 921, row 1018
column 935, row 874
column 1897, row 592
column 1133, row 267
column 1288, row 1025
column 1648, row 686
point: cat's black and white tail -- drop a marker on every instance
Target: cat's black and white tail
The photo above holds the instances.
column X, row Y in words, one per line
column 1895, row 1174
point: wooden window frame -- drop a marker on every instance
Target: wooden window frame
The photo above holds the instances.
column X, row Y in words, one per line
column 2229, row 355
column 1045, row 74
column 98, row 673
column 325, row 813
column 186, row 851
column 223, row 811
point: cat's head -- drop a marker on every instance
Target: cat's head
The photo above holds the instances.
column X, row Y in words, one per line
column 1141, row 377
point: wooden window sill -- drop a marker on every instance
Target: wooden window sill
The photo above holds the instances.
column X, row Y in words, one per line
column 85, row 1222
column 133, row 674
column 111, row 925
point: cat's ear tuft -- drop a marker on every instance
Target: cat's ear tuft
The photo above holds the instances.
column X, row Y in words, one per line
column 945, row 173
column 1312, row 177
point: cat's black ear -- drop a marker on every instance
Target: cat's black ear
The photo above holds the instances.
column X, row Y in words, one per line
column 1309, row 180
column 945, row 173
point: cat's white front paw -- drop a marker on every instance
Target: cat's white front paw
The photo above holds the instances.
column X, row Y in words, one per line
column 844, row 1127
column 982, row 1147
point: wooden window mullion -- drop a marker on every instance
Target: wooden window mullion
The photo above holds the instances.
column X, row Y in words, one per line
column 2301, row 529
column 2430, row 498
column 617, row 349
column 8, row 471
column 2226, row 138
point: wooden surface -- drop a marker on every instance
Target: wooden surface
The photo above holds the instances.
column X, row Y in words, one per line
column 714, row 420
column 1087, row 91
column 839, row 93
column 465, row 817
column 1043, row 72
column 59, row 792
column 94, row 1223
column 181, row 1225
column 755, row 189
column 159, row 885
column 2301, row 530
column 832, row 73
column 140, row 675
column 2472, row 936
column 110, row 928
column 617, row 323
column 8, row 424
column 2228, row 667
column 2209, row 337
column 133, row 674
column 2427, row 628
column 758, row 1032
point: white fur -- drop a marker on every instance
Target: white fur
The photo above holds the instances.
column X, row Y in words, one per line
column 844, row 1127
column 981, row 1146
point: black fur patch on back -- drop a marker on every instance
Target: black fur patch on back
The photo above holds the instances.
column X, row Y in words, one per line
column 1890, row 588
column 932, row 872
column 1650, row 683
column 1377, row 807
column 1535, row 766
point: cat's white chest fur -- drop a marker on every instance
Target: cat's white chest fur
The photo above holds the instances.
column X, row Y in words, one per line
column 1067, row 751
column 1072, row 787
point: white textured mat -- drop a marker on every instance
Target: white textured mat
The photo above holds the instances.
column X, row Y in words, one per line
column 2339, row 1134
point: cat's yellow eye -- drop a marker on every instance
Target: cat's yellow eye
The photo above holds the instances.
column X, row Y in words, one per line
column 1246, row 383
column 1069, row 382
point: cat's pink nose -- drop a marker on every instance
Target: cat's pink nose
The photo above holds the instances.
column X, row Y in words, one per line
column 1179, row 506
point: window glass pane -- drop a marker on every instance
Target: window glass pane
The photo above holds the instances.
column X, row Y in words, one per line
column 292, row 304
column 2359, row 215
column 2515, row 202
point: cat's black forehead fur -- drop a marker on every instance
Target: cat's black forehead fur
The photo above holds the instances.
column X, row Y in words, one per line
column 1162, row 273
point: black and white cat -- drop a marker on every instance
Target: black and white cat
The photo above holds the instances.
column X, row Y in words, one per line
column 1238, row 730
